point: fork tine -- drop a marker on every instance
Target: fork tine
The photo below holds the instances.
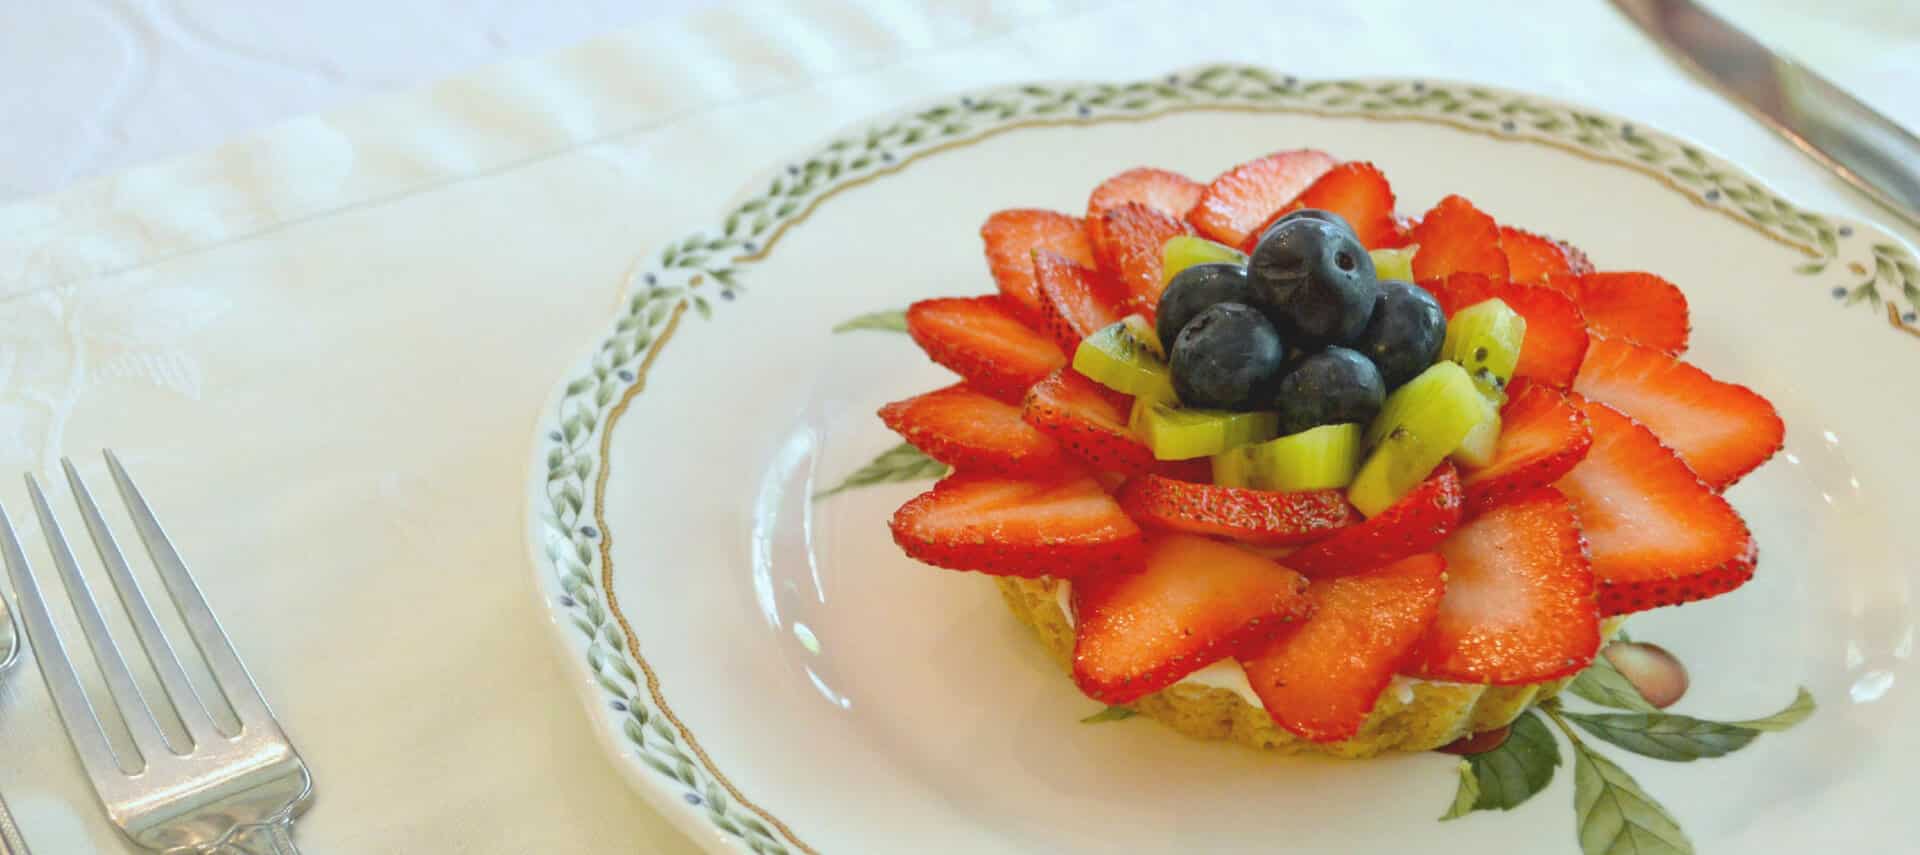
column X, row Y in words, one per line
column 14, row 641
column 63, row 683
column 234, row 681
column 173, row 679
column 147, row 738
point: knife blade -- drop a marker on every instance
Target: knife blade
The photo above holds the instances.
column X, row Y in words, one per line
column 1857, row 143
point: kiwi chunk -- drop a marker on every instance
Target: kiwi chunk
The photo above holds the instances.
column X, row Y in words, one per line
column 1393, row 263
column 1421, row 423
column 1181, row 434
column 1116, row 357
column 1476, row 450
column 1485, row 338
column 1144, row 332
column 1144, row 404
column 1320, row 458
column 1183, row 251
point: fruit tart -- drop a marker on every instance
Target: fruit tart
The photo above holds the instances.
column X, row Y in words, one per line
column 1268, row 461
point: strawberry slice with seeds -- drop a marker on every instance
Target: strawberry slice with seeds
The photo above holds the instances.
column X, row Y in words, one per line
column 1638, row 307
column 1245, row 197
column 979, row 339
column 1128, row 239
column 1531, row 258
column 1456, row 237
column 1198, row 470
column 1659, row 535
column 1062, row 526
column 1402, row 234
column 1577, row 262
column 1194, row 601
column 1169, row 193
column 1519, row 606
column 1721, row 429
column 1251, row 516
column 1556, row 338
column 973, row 432
column 1088, row 420
column 1358, row 192
column 1321, row 679
column 1415, row 524
column 1011, row 238
column 1542, row 435
column 1075, row 301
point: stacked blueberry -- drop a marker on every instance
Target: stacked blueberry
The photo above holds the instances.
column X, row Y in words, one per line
column 1304, row 329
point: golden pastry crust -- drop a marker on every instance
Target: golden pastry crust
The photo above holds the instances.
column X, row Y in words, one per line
column 1419, row 716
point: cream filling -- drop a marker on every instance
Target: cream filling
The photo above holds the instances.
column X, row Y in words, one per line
column 1227, row 673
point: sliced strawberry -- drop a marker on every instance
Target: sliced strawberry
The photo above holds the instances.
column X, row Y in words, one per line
column 1237, row 203
column 1577, row 262
column 1321, row 679
column 1198, row 470
column 1012, row 236
column 1659, row 535
column 1194, row 601
column 1519, row 606
column 1402, row 234
column 1720, row 429
column 1638, row 307
column 1169, row 193
column 1075, row 301
column 1415, row 524
column 1556, row 333
column 1128, row 240
column 1358, row 192
column 1061, row 526
column 973, row 432
column 1542, row 435
column 1251, row 516
column 1532, row 258
column 1087, row 420
column 1565, row 283
column 1455, row 237
column 982, row 341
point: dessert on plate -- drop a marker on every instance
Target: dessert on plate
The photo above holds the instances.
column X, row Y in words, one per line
column 1268, row 461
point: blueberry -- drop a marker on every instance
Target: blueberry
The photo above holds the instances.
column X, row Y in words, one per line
column 1196, row 288
column 1313, row 279
column 1405, row 333
column 1226, row 358
column 1331, row 387
column 1310, row 214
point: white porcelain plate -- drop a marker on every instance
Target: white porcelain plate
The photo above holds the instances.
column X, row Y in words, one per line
column 773, row 674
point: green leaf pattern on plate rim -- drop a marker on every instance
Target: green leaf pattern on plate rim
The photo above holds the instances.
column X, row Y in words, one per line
column 686, row 272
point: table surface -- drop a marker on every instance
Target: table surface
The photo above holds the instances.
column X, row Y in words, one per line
column 162, row 78
column 373, row 572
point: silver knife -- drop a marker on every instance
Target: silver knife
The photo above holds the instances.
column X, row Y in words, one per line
column 1863, row 147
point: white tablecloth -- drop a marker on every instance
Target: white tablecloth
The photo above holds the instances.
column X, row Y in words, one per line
column 322, row 346
column 93, row 88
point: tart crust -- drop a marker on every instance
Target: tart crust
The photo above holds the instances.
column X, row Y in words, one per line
column 1420, row 716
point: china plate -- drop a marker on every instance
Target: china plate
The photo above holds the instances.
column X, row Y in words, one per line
column 775, row 676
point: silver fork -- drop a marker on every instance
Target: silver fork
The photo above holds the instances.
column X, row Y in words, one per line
column 11, row 843
column 228, row 789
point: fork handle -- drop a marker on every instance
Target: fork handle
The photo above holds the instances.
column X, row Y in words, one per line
column 11, row 843
column 271, row 838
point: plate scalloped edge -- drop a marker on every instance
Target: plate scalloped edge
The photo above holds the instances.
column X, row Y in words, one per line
column 1861, row 265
